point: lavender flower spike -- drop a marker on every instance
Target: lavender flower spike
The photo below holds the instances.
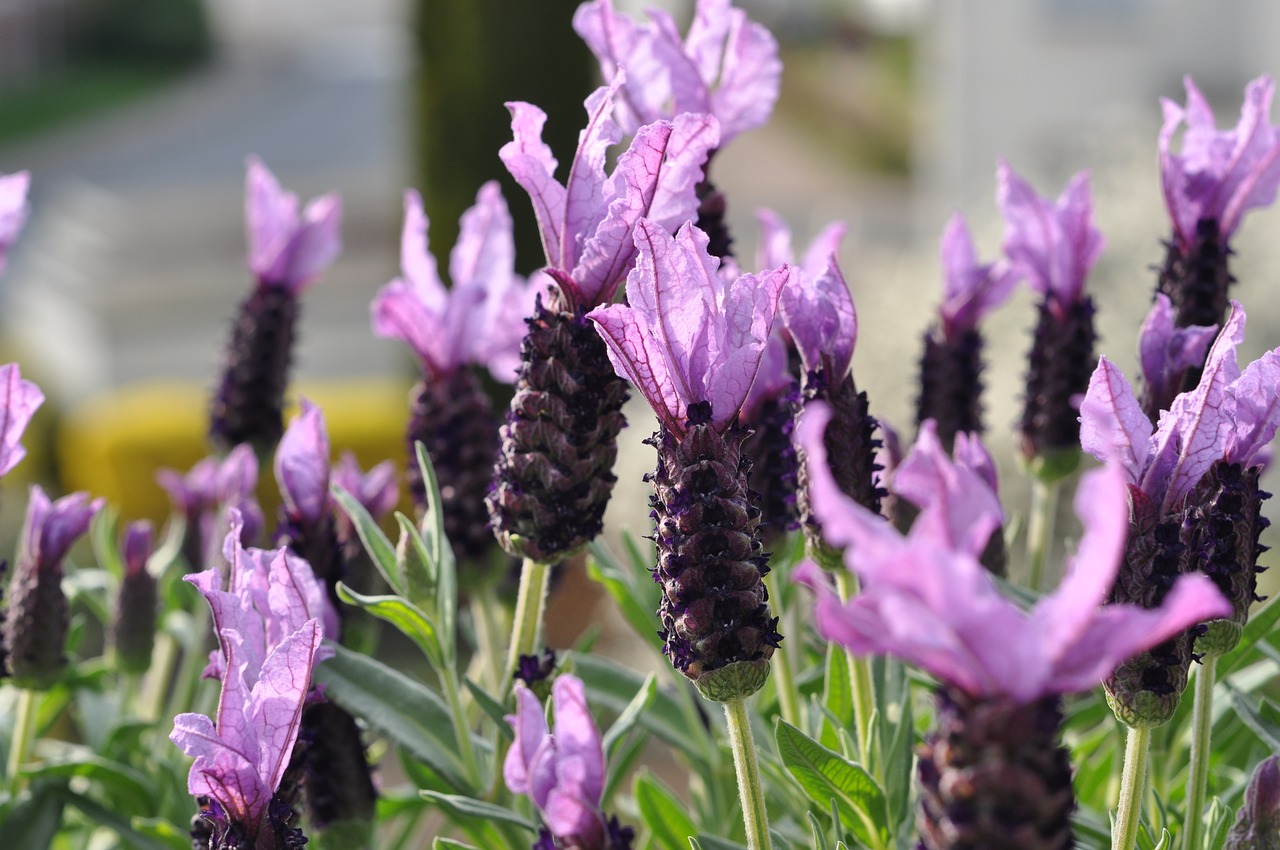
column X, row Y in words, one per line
column 13, row 210
column 37, row 619
column 1218, row 176
column 133, row 628
column 286, row 253
column 1054, row 245
column 1257, row 825
column 19, row 403
column 691, row 341
column 951, row 366
column 241, row 759
column 726, row 66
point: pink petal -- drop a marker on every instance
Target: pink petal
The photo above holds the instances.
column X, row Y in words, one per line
column 749, row 78
column 578, row 739
column 958, row 509
column 302, row 465
column 13, row 210
column 277, row 699
column 633, row 352
column 532, row 165
column 1113, row 427
column 775, row 240
column 530, row 726
column 1254, row 403
column 20, row 400
column 819, row 314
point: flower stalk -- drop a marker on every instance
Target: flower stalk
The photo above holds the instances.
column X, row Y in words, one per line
column 24, row 732
column 747, row 766
column 1198, row 771
column 1043, row 518
column 526, row 627
column 1137, row 752
column 859, row 677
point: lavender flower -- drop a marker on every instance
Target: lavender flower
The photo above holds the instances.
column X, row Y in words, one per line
column 375, row 490
column 992, row 774
column 205, row 495
column 691, row 342
column 1168, row 356
column 951, row 366
column 562, row 770
column 13, row 210
column 1208, row 187
column 769, row 411
column 553, row 476
column 20, row 400
column 286, row 253
column 1257, row 825
column 480, row 321
column 1054, row 245
column 134, row 627
column 37, row 619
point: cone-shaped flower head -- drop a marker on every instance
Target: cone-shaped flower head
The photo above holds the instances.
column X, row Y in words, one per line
column 288, row 250
column 18, row 404
column 770, row 412
column 1167, row 353
column 587, row 222
column 927, row 600
column 13, row 210
column 687, row 338
column 1220, row 174
column 1053, row 244
column 691, row 341
column 480, row 320
column 1257, row 825
column 134, row 627
column 951, row 366
column 37, row 620
column 560, row 769
column 210, row 487
column 241, row 756
column 286, row 253
column 726, row 66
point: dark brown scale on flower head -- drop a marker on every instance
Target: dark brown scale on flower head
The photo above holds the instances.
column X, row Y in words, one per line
column 712, row 219
column 716, row 627
column 994, row 777
column 1145, row 690
column 337, row 784
column 1196, row 279
column 36, row 624
column 851, row 451
column 454, row 419
column 951, row 384
column 554, row 473
column 248, row 406
column 1224, row 521
column 1060, row 364
column 318, row 545
column 774, row 466
column 134, row 628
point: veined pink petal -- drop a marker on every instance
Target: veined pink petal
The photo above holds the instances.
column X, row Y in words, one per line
column 820, row 315
column 277, row 698
column 1113, row 427
column 635, row 355
column 1253, row 404
column 775, row 240
column 416, row 260
column 585, row 201
column 18, row 404
column 958, row 509
column 1167, row 352
column 400, row 312
column 578, row 738
column 531, row 730
column 530, row 162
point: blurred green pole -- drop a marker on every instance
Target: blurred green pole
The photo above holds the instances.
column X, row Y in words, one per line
column 473, row 56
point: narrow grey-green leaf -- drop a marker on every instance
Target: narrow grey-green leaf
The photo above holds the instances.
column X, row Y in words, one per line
column 637, row 601
column 403, row 709
column 376, row 544
column 612, row 687
column 405, row 616
column 449, row 844
column 440, row 547
column 416, row 566
column 668, row 823
column 837, row 695
column 1261, row 625
column 816, row 833
column 492, row 708
column 33, row 818
column 827, row 776
column 117, row 822
column 468, row 808
column 631, row 714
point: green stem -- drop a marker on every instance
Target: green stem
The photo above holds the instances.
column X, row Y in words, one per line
column 485, row 611
column 1198, row 774
column 784, row 682
column 859, row 678
column 194, row 661
column 1044, row 513
column 461, row 729
column 531, row 602
column 163, row 661
column 1137, row 748
column 24, row 732
column 750, row 789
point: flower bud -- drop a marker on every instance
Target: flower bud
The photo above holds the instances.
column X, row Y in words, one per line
column 134, row 628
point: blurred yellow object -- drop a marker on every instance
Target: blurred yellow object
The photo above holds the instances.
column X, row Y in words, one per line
column 113, row 444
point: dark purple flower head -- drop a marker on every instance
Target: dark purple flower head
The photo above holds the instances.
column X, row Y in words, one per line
column 480, row 319
column 726, row 66
column 18, row 404
column 1257, row 825
column 1166, row 353
column 1053, row 244
column 1229, row 416
column 1220, row 174
column 52, row 527
column 689, row 340
column 926, row 599
column 13, row 210
column 970, row 289
column 302, row 466
column 560, row 770
column 285, row 250
column 587, row 223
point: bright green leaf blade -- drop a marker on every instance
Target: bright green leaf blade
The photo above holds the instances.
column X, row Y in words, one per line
column 439, row 545
column 826, row 775
column 633, row 600
column 715, row 842
column 665, row 817
column 416, row 565
column 837, row 694
column 816, row 833
column 1261, row 625
column 405, row 616
column 403, row 709
column 492, row 708
column 128, row 786
column 470, row 809
column 380, row 550
column 450, row 844
column 117, row 822
column 631, row 715
column 1252, row 716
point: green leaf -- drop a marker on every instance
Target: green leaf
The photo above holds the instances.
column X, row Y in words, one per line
column 403, row 709
column 816, row 833
column 1253, row 717
column 665, row 816
column 492, row 708
column 450, row 844
column 637, row 600
column 715, row 842
column 827, row 776
column 837, row 694
column 416, row 566
column 439, row 546
column 693, row 844
column 612, row 687
column 128, row 786
column 1261, row 626
column 405, row 616
column 120, row 824
column 631, row 714
column 347, row 834
column 376, row 544
column 32, row 820
column 470, row 809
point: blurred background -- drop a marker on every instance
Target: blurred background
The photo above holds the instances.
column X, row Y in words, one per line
column 135, row 118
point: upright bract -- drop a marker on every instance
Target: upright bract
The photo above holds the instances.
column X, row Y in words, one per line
column 553, row 476
column 691, row 342
column 478, row 322
column 993, row 774
column 1053, row 245
column 1208, row 187
column 286, row 253
column 1169, row 355
column 13, row 210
